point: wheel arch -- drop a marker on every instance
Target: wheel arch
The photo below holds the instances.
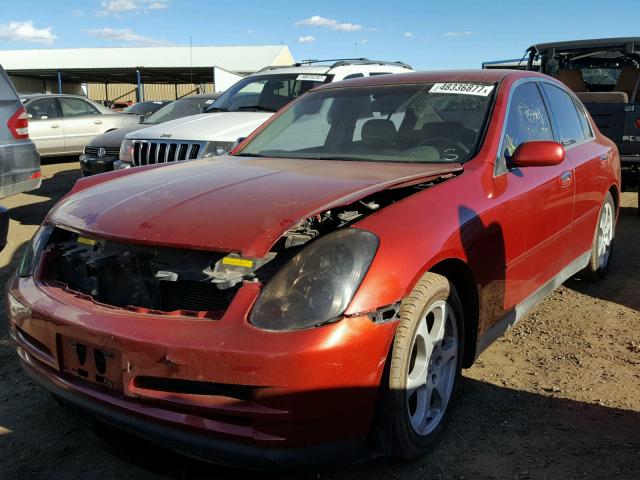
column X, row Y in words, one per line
column 461, row 275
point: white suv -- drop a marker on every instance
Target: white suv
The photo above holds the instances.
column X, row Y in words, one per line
column 240, row 110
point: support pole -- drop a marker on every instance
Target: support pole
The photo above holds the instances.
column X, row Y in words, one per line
column 175, row 86
column 139, row 88
column 106, row 93
column 59, row 82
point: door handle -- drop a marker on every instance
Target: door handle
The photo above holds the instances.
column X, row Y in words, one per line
column 565, row 178
column 55, row 125
column 98, row 122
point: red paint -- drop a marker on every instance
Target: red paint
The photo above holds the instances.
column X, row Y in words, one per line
column 515, row 231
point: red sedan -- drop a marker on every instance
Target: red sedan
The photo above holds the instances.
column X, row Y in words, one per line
column 315, row 295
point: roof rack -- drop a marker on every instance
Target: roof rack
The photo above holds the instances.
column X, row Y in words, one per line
column 339, row 62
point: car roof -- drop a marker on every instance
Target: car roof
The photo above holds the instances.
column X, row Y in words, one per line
column 310, row 69
column 442, row 76
column 620, row 43
column 38, row 95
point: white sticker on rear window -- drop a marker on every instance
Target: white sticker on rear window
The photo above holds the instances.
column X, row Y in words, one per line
column 209, row 102
column 311, row 78
column 462, row 89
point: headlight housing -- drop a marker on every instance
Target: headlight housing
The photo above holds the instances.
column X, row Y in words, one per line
column 317, row 285
column 126, row 151
column 215, row 149
column 33, row 252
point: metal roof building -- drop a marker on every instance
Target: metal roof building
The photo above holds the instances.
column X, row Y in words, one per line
column 47, row 69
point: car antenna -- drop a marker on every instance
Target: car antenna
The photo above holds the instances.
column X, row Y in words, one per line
column 525, row 54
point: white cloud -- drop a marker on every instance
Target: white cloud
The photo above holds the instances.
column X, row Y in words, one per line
column 26, row 32
column 117, row 7
column 124, row 35
column 330, row 23
column 364, row 41
column 409, row 34
column 307, row 39
column 76, row 12
column 458, row 34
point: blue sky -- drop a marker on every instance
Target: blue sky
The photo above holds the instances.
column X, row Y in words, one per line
column 427, row 34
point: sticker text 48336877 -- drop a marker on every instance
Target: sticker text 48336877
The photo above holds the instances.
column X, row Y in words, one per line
column 462, row 89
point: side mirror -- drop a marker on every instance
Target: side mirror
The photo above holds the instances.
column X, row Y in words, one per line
column 239, row 140
column 538, row 154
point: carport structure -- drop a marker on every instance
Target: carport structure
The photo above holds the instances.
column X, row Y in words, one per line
column 53, row 69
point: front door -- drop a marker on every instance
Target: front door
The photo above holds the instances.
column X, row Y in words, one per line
column 537, row 201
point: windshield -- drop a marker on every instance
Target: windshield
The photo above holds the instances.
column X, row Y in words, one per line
column 439, row 122
column 180, row 108
column 266, row 92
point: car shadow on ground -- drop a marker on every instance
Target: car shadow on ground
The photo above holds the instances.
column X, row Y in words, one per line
column 625, row 264
column 494, row 432
column 51, row 190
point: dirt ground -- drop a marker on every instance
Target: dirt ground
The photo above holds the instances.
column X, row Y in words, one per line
column 558, row 397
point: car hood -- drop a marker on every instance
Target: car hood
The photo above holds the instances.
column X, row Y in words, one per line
column 220, row 127
column 114, row 137
column 229, row 204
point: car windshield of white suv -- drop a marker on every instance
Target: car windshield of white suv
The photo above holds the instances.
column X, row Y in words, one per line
column 433, row 123
column 267, row 93
column 179, row 108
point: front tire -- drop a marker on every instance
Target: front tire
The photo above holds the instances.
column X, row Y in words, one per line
column 426, row 361
column 602, row 247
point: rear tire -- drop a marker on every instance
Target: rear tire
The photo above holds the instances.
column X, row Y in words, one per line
column 602, row 246
column 426, row 361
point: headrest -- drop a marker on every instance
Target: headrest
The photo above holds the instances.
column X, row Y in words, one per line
column 379, row 131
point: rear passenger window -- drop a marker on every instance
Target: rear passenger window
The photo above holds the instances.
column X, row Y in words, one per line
column 527, row 120
column 354, row 75
column 564, row 111
column 374, row 74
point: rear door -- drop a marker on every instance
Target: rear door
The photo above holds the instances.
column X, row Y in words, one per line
column 45, row 125
column 82, row 121
column 590, row 161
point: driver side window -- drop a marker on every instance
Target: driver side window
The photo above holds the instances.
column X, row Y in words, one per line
column 527, row 120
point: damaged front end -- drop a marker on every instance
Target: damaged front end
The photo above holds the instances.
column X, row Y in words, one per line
column 202, row 284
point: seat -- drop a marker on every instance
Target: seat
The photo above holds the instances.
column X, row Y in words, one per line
column 572, row 79
column 627, row 81
column 379, row 132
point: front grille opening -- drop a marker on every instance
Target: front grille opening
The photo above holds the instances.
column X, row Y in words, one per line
column 144, row 279
column 194, row 387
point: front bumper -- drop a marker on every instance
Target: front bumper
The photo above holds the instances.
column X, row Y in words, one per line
column 92, row 165
column 312, row 393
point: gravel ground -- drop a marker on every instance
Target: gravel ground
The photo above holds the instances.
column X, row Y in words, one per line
column 557, row 397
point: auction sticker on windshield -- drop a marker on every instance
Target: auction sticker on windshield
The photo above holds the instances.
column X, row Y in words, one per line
column 462, row 89
column 311, row 78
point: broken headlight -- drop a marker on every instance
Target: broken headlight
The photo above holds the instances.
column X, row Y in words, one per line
column 317, row 285
column 33, row 252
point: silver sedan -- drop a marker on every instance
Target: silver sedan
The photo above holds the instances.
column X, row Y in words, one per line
column 64, row 124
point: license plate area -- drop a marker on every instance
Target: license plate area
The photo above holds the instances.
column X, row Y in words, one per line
column 92, row 363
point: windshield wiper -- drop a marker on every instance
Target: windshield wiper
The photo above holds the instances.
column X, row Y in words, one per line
column 216, row 109
column 257, row 155
column 257, row 107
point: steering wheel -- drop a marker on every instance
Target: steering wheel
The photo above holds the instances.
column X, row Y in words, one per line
column 449, row 149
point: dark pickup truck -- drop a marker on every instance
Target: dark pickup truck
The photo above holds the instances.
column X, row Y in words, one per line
column 605, row 75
